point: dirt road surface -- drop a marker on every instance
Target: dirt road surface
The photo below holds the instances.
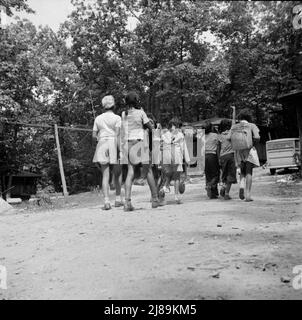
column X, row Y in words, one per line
column 202, row 249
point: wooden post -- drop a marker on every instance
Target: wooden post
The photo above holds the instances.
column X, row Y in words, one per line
column 299, row 119
column 234, row 114
column 60, row 162
column 9, row 187
column 297, row 25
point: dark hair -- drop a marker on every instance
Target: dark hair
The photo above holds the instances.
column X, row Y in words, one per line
column 245, row 114
column 225, row 125
column 132, row 101
column 208, row 127
column 151, row 117
column 174, row 122
column 164, row 123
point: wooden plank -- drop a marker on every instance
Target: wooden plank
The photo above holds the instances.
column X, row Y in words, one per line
column 60, row 162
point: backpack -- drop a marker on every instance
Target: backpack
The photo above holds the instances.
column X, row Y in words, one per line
column 241, row 137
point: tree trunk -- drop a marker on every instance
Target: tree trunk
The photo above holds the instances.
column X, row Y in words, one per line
column 182, row 113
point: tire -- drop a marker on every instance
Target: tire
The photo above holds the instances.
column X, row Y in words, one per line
column 272, row 171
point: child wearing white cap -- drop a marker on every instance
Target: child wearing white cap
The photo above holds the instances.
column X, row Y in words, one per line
column 106, row 131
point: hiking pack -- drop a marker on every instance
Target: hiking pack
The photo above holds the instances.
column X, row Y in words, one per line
column 241, row 137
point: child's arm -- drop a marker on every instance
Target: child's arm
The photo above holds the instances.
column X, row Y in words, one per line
column 218, row 149
column 95, row 131
column 186, row 154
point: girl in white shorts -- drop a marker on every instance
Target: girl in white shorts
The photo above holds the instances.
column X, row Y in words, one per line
column 107, row 131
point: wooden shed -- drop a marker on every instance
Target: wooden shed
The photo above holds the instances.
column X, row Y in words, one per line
column 21, row 185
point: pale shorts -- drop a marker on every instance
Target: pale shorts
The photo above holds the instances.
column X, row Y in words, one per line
column 106, row 152
column 135, row 152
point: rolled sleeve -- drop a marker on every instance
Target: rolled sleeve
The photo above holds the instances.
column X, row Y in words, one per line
column 145, row 118
column 256, row 132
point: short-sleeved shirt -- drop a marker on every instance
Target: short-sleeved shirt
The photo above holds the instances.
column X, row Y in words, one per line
column 106, row 125
column 212, row 142
column 133, row 124
column 225, row 142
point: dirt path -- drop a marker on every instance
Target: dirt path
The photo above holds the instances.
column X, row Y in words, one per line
column 203, row 249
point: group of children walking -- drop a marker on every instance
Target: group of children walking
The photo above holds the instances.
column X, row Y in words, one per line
column 233, row 147
column 135, row 140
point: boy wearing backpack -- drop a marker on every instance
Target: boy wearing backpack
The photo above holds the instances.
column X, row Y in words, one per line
column 243, row 137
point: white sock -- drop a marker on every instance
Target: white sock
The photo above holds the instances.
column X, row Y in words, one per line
column 107, row 200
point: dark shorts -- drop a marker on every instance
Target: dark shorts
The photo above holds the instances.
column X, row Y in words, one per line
column 228, row 168
column 212, row 169
column 246, row 168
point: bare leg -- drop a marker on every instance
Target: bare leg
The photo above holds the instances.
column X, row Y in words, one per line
column 176, row 188
column 128, row 188
column 227, row 191
column 152, row 184
column 117, row 172
column 119, row 201
column 112, row 181
column 228, row 188
column 168, row 182
column 105, row 183
column 249, row 181
column 118, row 187
column 242, row 186
column 129, row 182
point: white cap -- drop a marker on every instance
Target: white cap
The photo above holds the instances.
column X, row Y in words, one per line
column 108, row 102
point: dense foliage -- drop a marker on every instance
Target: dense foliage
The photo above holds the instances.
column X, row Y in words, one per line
column 158, row 48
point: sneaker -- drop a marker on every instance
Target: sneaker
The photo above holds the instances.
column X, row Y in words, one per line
column 166, row 189
column 241, row 194
column 209, row 192
column 162, row 202
column 158, row 203
column 182, row 188
column 128, row 207
column 107, row 207
column 118, row 204
column 161, row 194
column 178, row 201
column 227, row 197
